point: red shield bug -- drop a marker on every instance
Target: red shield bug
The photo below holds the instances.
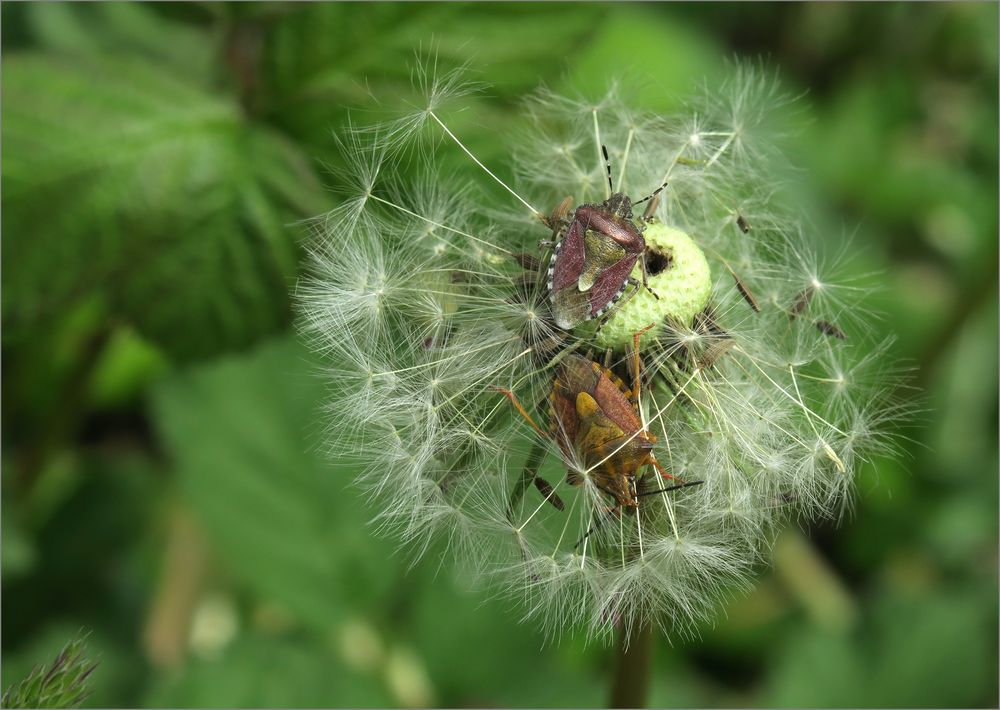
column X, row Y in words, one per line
column 593, row 261
column 594, row 419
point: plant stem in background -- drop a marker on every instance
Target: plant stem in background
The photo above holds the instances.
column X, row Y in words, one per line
column 184, row 567
column 633, row 662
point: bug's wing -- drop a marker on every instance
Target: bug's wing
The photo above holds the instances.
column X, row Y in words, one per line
column 595, row 427
column 612, row 397
column 563, row 422
column 616, row 405
column 568, row 259
column 570, row 307
column 610, row 285
column 576, row 374
column 610, row 455
column 602, row 253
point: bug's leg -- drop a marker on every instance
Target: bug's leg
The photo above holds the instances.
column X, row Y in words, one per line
column 596, row 525
column 562, row 209
column 636, row 362
column 521, row 410
column 636, row 286
column 528, row 473
column 663, row 473
column 557, row 220
column 549, row 493
column 528, row 262
column 645, row 279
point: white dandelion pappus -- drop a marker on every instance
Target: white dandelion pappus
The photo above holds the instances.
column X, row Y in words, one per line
column 426, row 302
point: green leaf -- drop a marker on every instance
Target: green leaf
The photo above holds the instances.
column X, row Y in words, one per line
column 926, row 650
column 309, row 81
column 140, row 30
column 445, row 614
column 19, row 553
column 935, row 651
column 126, row 367
column 121, row 179
column 657, row 45
column 816, row 668
column 277, row 512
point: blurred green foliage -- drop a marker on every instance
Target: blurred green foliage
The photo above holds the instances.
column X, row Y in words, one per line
column 61, row 684
column 164, row 478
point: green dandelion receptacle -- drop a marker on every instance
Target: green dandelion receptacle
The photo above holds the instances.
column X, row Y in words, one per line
column 680, row 278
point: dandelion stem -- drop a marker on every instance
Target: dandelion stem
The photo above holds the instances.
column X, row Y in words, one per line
column 634, row 660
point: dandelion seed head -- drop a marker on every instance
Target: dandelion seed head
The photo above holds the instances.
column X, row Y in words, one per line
column 763, row 380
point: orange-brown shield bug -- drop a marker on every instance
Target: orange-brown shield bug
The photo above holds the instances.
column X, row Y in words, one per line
column 594, row 418
column 592, row 262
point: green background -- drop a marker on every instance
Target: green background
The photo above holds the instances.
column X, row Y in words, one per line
column 164, row 484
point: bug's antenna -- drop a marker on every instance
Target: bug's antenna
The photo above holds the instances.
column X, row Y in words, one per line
column 671, row 488
column 593, row 528
column 607, row 164
column 650, row 196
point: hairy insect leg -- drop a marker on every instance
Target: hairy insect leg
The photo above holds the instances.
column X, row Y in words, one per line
column 658, row 467
column 549, row 493
column 557, row 220
column 636, row 361
column 596, row 525
column 528, row 474
column 521, row 410
column 528, row 262
column 636, row 286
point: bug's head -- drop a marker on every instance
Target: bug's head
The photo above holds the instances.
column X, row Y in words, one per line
column 620, row 205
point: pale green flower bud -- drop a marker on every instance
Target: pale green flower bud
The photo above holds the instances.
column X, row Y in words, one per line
column 678, row 276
